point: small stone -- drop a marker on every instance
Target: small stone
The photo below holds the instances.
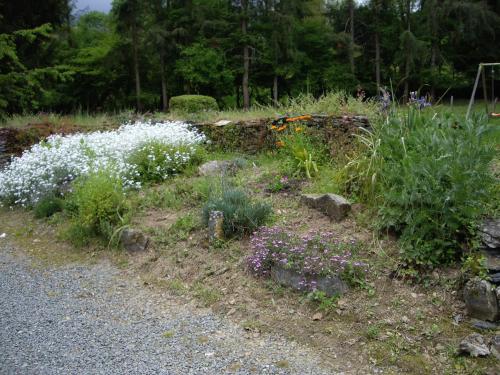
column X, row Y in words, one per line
column 332, row 205
column 481, row 300
column 474, row 346
column 317, row 316
column 405, row 319
column 133, row 240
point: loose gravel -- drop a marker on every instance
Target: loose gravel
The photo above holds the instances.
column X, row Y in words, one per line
column 92, row 319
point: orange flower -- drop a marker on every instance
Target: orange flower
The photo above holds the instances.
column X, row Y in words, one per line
column 280, row 143
column 274, row 127
column 281, row 128
column 297, row 130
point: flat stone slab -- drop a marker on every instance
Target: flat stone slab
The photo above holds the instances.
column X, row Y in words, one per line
column 480, row 299
column 334, row 206
column 331, row 285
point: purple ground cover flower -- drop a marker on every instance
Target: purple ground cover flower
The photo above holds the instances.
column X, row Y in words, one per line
column 315, row 254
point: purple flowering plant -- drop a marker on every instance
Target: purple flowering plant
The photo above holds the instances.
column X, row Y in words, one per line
column 315, row 254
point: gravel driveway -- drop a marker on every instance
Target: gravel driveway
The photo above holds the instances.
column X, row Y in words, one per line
column 93, row 320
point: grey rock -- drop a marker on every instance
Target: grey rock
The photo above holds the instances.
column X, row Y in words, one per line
column 495, row 346
column 481, row 300
column 495, row 278
column 474, row 346
column 334, row 206
column 215, row 225
column 133, row 240
column 219, row 168
column 482, row 324
column 331, row 286
column 492, row 260
column 490, row 233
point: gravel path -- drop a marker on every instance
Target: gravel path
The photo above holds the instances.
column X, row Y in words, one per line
column 93, row 320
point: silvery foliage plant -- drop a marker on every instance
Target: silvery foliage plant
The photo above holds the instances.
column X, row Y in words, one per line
column 58, row 160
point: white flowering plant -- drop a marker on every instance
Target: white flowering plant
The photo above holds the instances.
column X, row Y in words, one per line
column 48, row 165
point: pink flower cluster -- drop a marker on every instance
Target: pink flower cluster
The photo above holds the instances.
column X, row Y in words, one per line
column 313, row 254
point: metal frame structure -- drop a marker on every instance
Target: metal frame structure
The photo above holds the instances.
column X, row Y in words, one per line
column 480, row 73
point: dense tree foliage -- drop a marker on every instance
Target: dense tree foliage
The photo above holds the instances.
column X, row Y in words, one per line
column 241, row 52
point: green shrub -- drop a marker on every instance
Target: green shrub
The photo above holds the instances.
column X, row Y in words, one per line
column 429, row 178
column 98, row 206
column 156, row 161
column 193, row 103
column 47, row 207
column 241, row 215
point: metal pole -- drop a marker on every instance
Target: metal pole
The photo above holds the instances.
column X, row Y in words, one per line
column 485, row 93
column 474, row 90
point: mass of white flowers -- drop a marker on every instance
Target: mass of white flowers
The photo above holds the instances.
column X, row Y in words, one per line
column 60, row 159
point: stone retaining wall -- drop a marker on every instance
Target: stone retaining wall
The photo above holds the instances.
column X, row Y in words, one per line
column 255, row 135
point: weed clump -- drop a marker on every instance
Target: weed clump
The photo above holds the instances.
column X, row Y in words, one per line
column 97, row 206
column 48, row 206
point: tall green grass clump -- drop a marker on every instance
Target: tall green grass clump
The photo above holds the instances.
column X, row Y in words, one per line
column 429, row 178
column 241, row 214
column 97, row 207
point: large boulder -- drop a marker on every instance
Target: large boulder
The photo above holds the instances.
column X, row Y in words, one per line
column 219, row 168
column 334, row 206
column 481, row 300
column 134, row 240
column 331, row 285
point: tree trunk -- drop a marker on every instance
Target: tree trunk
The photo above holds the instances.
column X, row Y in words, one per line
column 351, row 41
column 377, row 60
column 275, row 90
column 376, row 13
column 246, row 57
column 136, row 70
column 164, row 97
column 408, row 57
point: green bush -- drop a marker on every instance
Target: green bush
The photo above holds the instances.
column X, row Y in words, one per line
column 241, row 215
column 47, row 207
column 193, row 103
column 156, row 161
column 429, row 178
column 98, row 206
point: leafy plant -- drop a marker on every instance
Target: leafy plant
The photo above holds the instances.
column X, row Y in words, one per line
column 241, row 214
column 48, row 206
column 429, row 178
column 98, row 206
column 474, row 264
column 323, row 302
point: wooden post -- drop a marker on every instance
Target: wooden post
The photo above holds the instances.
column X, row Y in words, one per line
column 451, row 102
column 474, row 90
